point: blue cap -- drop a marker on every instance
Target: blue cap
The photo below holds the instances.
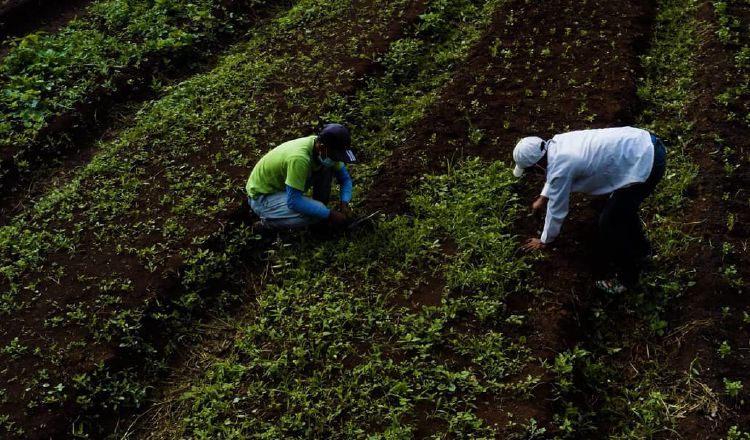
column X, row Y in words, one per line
column 337, row 138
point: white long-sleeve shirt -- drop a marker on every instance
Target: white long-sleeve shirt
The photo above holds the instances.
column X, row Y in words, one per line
column 592, row 162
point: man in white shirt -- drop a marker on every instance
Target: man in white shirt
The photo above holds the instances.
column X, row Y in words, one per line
column 625, row 162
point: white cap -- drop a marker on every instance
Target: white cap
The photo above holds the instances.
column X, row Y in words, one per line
column 528, row 151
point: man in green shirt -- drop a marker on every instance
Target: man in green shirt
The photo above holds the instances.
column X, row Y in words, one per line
column 279, row 180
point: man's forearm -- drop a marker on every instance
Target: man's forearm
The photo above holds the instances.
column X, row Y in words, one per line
column 345, row 180
column 552, row 226
column 296, row 201
column 540, row 204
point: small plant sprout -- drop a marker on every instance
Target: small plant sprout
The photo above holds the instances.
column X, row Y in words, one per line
column 731, row 219
column 14, row 349
column 732, row 276
column 726, row 311
column 735, row 433
column 724, row 349
column 727, row 248
column 732, row 388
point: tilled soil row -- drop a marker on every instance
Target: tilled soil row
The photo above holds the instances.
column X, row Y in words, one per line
column 712, row 311
column 154, row 290
column 542, row 68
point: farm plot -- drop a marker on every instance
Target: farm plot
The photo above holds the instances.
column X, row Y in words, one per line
column 613, row 338
column 90, row 264
column 258, row 384
column 430, row 324
column 611, row 365
column 645, row 331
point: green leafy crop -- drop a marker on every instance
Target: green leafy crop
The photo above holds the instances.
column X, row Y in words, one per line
column 339, row 346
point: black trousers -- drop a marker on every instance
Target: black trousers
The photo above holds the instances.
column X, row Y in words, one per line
column 623, row 241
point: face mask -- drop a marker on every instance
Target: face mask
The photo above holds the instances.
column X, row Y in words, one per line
column 327, row 162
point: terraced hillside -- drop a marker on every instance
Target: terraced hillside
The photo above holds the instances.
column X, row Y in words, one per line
column 137, row 302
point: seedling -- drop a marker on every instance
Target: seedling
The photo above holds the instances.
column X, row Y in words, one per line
column 724, row 349
column 732, row 388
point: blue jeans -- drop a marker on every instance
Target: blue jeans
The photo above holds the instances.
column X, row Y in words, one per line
column 622, row 238
column 274, row 212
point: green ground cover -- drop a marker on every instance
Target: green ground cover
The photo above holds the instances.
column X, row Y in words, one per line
column 331, row 351
column 161, row 191
column 734, row 102
column 736, row 38
column 731, row 29
column 339, row 346
column 340, row 340
column 388, row 107
column 118, row 42
column 239, row 378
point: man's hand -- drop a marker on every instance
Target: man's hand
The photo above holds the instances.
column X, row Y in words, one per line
column 345, row 209
column 533, row 244
column 540, row 204
column 337, row 218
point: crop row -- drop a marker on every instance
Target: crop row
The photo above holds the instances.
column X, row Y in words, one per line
column 88, row 260
column 732, row 102
column 728, row 100
column 669, row 316
column 605, row 393
column 731, row 30
column 50, row 83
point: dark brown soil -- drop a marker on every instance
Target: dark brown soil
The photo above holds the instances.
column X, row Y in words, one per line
column 21, row 17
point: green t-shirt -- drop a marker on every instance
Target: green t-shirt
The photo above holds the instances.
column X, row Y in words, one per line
column 291, row 163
